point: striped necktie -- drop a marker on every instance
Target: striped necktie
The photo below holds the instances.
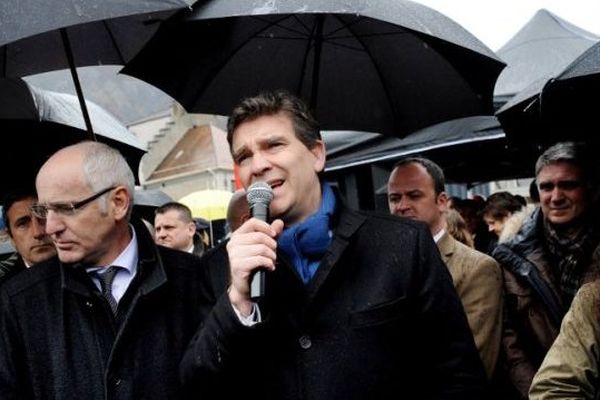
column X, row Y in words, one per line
column 106, row 280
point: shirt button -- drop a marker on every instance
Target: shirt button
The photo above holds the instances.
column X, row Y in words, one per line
column 305, row 342
column 89, row 304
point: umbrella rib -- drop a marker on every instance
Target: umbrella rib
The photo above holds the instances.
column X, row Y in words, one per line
column 113, row 41
column 384, row 86
column 345, row 25
column 332, row 40
column 286, row 28
column 305, row 60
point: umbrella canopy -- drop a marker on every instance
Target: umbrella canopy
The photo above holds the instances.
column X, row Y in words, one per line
column 386, row 66
column 208, row 204
column 128, row 99
column 560, row 108
column 145, row 201
column 23, row 18
column 469, row 150
column 541, row 49
column 151, row 197
column 35, row 123
column 40, row 36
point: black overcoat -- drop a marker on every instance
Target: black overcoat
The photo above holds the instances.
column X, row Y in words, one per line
column 379, row 320
column 58, row 339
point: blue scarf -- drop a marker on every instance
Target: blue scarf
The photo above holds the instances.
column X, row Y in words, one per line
column 304, row 244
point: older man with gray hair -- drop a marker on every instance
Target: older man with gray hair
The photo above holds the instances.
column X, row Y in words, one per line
column 549, row 257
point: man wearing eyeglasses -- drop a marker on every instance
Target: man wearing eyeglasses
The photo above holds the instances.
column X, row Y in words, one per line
column 549, row 257
column 108, row 318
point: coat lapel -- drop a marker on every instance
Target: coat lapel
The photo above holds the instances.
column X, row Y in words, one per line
column 347, row 225
column 446, row 246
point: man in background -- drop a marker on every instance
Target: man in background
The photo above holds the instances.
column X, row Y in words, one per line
column 416, row 190
column 549, row 256
column 26, row 233
column 175, row 227
column 237, row 210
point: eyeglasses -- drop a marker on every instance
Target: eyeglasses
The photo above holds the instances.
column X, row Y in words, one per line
column 67, row 208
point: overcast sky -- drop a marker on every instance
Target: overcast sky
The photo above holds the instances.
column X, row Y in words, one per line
column 495, row 22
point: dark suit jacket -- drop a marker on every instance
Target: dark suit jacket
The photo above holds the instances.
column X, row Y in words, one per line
column 59, row 340
column 379, row 320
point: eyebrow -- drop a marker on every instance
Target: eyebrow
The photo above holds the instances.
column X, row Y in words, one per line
column 237, row 153
column 24, row 218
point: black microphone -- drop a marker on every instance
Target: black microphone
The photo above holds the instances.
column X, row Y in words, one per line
column 259, row 196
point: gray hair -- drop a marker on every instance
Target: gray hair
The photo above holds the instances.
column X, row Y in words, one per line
column 575, row 153
column 104, row 166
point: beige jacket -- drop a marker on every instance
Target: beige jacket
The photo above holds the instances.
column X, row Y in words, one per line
column 477, row 278
column 570, row 369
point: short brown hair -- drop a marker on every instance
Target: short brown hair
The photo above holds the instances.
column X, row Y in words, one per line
column 306, row 127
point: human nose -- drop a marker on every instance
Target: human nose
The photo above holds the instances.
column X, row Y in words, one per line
column 403, row 205
column 260, row 164
column 557, row 194
column 159, row 233
column 39, row 228
column 53, row 223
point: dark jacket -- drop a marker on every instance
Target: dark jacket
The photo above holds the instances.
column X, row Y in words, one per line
column 379, row 320
column 59, row 340
column 533, row 309
column 11, row 266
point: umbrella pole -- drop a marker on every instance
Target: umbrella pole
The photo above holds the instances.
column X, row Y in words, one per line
column 84, row 110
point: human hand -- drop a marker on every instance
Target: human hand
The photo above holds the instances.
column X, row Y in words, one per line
column 253, row 245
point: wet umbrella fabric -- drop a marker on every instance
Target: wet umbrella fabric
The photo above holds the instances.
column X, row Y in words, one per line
column 469, row 150
column 557, row 109
column 40, row 36
column 378, row 66
column 35, row 123
column 542, row 48
column 146, row 201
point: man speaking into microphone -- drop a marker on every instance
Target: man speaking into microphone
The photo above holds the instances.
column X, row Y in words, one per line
column 356, row 305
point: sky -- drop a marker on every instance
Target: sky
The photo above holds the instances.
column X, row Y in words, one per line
column 495, row 22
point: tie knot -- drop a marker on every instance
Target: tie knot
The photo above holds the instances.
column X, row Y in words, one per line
column 106, row 278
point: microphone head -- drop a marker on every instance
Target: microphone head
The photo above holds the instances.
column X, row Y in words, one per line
column 259, row 193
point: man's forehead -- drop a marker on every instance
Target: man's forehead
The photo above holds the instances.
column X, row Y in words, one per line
column 562, row 170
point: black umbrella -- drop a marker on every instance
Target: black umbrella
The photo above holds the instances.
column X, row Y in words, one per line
column 40, row 36
column 35, row 123
column 469, row 150
column 560, row 108
column 147, row 200
column 387, row 66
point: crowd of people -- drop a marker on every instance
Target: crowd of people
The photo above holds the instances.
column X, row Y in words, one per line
column 439, row 298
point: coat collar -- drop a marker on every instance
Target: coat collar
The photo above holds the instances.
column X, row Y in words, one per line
column 150, row 268
column 347, row 223
column 447, row 246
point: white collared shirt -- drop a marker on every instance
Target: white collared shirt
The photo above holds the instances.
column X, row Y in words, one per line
column 438, row 236
column 127, row 260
